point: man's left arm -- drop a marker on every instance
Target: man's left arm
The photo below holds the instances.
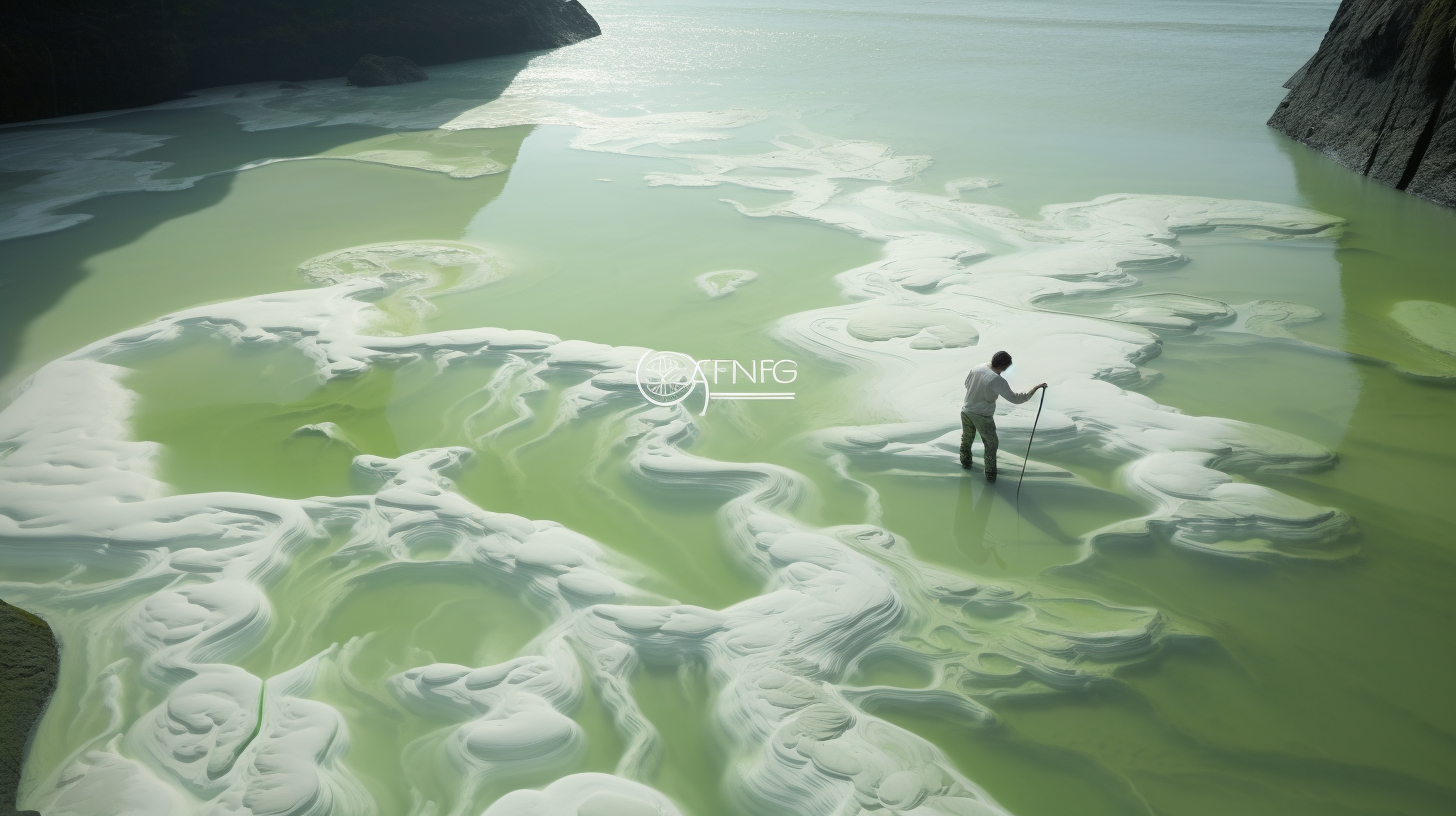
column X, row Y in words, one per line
column 1003, row 388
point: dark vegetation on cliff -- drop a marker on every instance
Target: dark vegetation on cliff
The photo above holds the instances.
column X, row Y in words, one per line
column 1378, row 95
column 29, row 660
column 63, row 57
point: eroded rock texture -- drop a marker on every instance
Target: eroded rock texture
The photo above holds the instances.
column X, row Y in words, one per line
column 64, row 57
column 29, row 661
column 373, row 70
column 1377, row 96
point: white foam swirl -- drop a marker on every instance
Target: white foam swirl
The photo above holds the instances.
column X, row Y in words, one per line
column 196, row 570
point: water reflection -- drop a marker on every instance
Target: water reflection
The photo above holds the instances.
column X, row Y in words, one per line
column 201, row 138
column 971, row 521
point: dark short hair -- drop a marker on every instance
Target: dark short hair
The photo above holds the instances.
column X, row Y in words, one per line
column 1001, row 360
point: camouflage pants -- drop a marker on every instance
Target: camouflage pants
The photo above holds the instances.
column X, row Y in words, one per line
column 970, row 423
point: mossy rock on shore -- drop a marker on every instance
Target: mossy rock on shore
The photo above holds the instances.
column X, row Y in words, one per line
column 29, row 661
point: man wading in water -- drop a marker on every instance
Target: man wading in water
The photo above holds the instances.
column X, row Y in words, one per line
column 983, row 385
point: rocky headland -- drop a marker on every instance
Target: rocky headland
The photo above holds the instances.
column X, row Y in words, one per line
column 29, row 660
column 1377, row 95
column 64, row 57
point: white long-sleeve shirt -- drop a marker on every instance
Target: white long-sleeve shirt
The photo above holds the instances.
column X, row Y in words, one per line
column 983, row 386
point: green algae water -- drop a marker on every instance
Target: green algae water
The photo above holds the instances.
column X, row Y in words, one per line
column 325, row 454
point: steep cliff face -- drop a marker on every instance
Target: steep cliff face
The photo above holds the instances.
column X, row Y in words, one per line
column 62, row 57
column 1377, row 97
column 29, row 661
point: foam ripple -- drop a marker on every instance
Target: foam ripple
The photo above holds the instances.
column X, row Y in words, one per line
column 195, row 570
column 201, row 563
column 72, row 165
column 587, row 794
column 724, row 281
column 931, row 266
column 832, row 596
column 512, row 716
column 1427, row 322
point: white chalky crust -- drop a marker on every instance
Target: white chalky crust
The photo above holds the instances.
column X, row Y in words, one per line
column 75, row 489
column 937, row 290
column 76, row 165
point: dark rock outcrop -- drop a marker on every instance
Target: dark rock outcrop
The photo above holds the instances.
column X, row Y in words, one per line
column 29, row 661
column 1378, row 95
column 63, row 57
column 372, row 70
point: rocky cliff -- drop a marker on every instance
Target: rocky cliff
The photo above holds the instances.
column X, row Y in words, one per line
column 29, row 661
column 1377, row 95
column 62, row 57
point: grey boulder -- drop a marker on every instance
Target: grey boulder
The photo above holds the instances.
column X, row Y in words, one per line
column 1379, row 96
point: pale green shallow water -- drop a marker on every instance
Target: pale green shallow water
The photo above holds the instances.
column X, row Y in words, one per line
column 1314, row 688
